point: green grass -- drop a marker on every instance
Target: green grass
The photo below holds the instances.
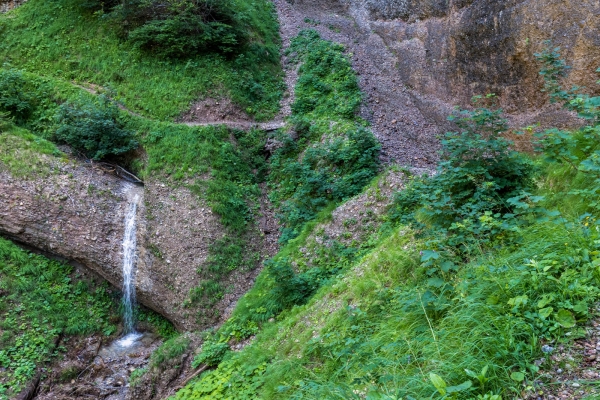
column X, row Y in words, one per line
column 24, row 154
column 58, row 39
column 40, row 301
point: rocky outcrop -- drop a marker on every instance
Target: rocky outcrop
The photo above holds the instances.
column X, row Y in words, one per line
column 456, row 49
column 7, row 5
column 76, row 211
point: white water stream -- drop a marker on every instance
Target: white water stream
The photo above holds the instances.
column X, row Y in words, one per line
column 129, row 259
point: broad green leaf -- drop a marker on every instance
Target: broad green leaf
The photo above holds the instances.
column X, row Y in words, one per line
column 517, row 376
column 581, row 308
column 565, row 318
column 436, row 282
column 518, row 301
column 438, row 382
column 471, row 373
column 459, row 388
column 545, row 300
column 429, row 254
column 545, row 312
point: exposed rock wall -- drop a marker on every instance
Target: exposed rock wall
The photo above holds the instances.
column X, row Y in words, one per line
column 454, row 50
column 447, row 51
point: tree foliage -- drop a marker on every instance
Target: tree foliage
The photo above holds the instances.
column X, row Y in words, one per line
column 15, row 101
column 93, row 129
column 178, row 28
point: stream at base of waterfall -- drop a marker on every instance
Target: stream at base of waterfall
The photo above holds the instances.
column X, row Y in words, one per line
column 106, row 366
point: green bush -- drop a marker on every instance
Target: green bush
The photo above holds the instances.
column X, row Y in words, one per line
column 13, row 98
column 178, row 28
column 185, row 35
column 93, row 129
column 212, row 354
column 479, row 187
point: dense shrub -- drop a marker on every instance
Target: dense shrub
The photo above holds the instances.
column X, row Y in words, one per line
column 329, row 171
column 13, row 98
column 178, row 28
column 479, row 185
column 93, row 128
column 184, row 34
column 212, row 354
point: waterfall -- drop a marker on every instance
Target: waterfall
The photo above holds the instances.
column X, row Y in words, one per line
column 129, row 258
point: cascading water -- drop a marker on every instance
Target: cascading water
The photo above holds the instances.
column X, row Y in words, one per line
column 129, row 258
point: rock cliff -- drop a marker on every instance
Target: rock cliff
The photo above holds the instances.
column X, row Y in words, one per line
column 77, row 212
column 446, row 51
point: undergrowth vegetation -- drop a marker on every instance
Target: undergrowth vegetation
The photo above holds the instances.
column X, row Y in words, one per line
column 62, row 40
column 40, row 302
column 93, row 129
column 478, row 267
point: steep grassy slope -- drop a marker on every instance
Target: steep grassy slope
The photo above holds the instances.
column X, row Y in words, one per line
column 467, row 285
column 383, row 326
column 63, row 40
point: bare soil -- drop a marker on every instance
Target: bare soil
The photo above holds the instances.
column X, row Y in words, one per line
column 215, row 111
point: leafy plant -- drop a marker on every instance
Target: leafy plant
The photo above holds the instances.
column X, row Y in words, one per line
column 212, row 354
column 448, row 392
column 480, row 187
column 39, row 301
